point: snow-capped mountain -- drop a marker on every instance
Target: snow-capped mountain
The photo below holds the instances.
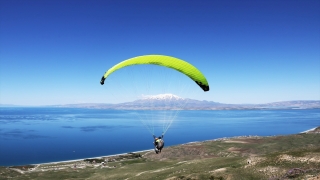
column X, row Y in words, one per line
column 165, row 97
column 165, row 101
column 160, row 101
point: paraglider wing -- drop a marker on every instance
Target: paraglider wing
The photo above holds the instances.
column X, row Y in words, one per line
column 166, row 61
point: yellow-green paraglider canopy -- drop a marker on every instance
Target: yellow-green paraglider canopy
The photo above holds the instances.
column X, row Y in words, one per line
column 166, row 61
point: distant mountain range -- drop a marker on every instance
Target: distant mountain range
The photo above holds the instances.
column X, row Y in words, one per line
column 170, row 101
column 8, row 105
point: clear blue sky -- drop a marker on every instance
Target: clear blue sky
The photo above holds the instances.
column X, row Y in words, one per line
column 55, row 51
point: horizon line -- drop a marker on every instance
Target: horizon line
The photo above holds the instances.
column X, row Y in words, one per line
column 19, row 105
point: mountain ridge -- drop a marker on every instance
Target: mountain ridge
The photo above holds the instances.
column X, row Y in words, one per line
column 174, row 102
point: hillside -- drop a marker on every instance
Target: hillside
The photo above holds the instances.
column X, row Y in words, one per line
column 275, row 157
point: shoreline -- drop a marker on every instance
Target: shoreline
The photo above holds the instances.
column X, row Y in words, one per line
column 99, row 157
column 75, row 160
column 312, row 129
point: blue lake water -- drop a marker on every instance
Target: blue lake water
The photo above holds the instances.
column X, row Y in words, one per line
column 39, row 135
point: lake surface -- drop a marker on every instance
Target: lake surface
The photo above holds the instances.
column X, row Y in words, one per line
column 39, row 135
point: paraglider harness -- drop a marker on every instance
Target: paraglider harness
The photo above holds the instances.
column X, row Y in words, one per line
column 158, row 143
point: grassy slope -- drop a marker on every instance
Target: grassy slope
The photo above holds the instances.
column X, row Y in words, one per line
column 278, row 157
